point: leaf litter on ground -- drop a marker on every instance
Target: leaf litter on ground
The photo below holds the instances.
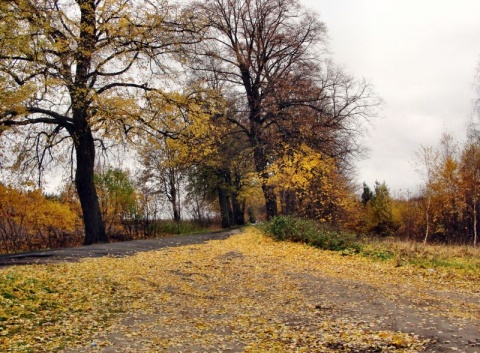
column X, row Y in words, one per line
column 246, row 293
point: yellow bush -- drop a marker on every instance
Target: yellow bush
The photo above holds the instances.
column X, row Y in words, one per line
column 30, row 220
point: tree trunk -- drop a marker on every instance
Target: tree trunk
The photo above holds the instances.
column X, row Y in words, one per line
column 270, row 200
column 81, row 131
column 174, row 195
column 288, row 202
column 427, row 220
column 227, row 185
column 474, row 222
column 268, row 190
column 251, row 215
column 176, row 207
column 238, row 207
column 85, row 152
column 229, row 209
column 238, row 211
column 223, row 203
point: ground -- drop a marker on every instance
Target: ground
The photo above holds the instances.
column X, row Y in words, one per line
column 242, row 292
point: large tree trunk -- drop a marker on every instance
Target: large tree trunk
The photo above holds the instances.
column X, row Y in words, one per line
column 176, row 214
column 174, row 195
column 238, row 211
column 82, row 133
column 224, row 208
column 288, row 202
column 238, row 207
column 227, row 185
column 270, row 200
column 230, row 210
column 85, row 152
column 268, row 190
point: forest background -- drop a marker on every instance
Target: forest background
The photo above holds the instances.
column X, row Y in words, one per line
column 231, row 111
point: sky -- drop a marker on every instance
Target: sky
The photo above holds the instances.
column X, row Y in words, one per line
column 421, row 57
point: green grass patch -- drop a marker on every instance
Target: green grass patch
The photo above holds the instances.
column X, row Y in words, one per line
column 378, row 254
column 289, row 228
column 168, row 227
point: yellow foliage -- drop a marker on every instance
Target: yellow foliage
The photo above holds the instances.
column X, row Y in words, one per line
column 252, row 191
column 247, row 290
column 15, row 99
column 298, row 168
column 187, row 123
column 316, row 182
column 28, row 218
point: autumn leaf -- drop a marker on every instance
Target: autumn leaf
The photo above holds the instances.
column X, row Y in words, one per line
column 247, row 293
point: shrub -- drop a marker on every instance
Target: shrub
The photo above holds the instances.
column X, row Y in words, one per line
column 29, row 220
column 289, row 228
column 182, row 227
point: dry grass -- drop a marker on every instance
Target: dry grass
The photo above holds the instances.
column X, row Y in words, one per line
column 464, row 258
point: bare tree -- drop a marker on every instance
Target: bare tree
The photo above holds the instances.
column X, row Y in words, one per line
column 163, row 175
column 270, row 53
column 427, row 161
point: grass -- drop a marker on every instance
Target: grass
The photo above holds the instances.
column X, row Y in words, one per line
column 458, row 257
column 182, row 227
column 298, row 230
column 400, row 253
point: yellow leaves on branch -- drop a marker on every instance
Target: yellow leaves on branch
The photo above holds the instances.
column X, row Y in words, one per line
column 14, row 100
column 185, row 118
column 314, row 178
column 114, row 113
column 299, row 167
column 134, row 21
column 252, row 192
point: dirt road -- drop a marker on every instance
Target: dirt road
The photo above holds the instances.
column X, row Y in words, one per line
column 118, row 249
column 219, row 296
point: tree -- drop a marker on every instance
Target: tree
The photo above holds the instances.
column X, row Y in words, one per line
column 75, row 71
column 223, row 173
column 367, row 194
column 409, row 216
column 381, row 216
column 470, row 182
column 427, row 159
column 470, row 166
column 269, row 53
column 310, row 184
column 163, row 173
column 117, row 194
column 447, row 191
column 166, row 160
column 444, row 198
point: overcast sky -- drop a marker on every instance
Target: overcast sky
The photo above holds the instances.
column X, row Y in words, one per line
column 421, row 56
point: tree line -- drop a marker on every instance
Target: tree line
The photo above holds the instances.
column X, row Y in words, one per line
column 232, row 89
column 229, row 108
column 444, row 209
